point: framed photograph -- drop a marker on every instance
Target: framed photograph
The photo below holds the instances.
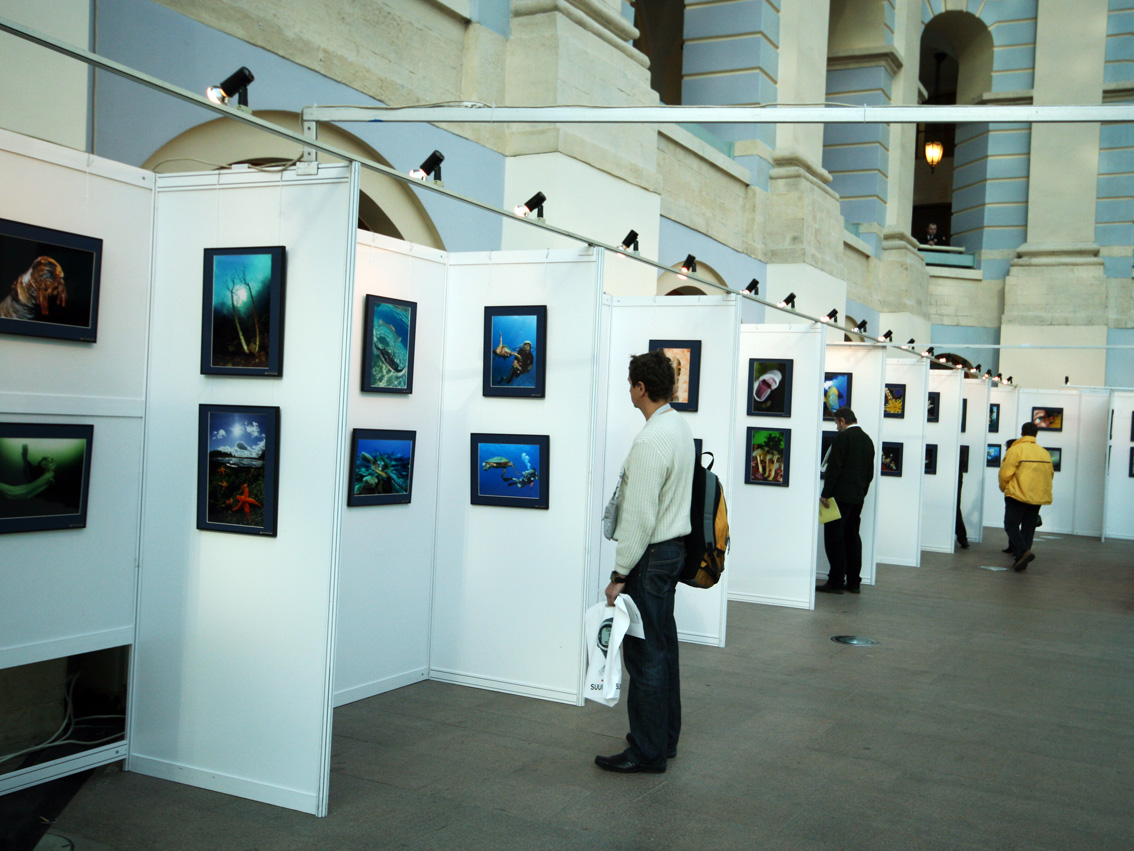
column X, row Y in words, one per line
column 49, row 280
column 891, row 458
column 836, row 392
column 931, row 459
column 242, row 314
column 1132, row 461
column 509, row 470
column 826, row 439
column 964, row 415
column 1048, row 419
column 238, row 469
column 686, row 358
column 933, row 407
column 768, row 459
column 381, row 466
column 389, row 328
column 515, row 346
column 1056, row 458
column 964, row 458
column 994, row 418
column 769, row 388
column 894, row 403
column 993, row 455
column 45, row 472
column 1132, row 426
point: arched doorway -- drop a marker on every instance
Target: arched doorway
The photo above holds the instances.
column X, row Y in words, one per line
column 386, row 206
column 673, row 283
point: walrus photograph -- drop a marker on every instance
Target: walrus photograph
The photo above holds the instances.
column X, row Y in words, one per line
column 48, row 282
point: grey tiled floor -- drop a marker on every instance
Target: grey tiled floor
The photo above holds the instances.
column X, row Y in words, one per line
column 996, row 714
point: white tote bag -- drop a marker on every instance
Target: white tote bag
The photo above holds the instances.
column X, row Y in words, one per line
column 605, row 627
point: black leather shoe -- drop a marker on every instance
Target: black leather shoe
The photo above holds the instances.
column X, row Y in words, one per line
column 1023, row 561
column 828, row 588
column 624, row 763
column 854, row 590
column 670, row 754
column 963, row 543
column 1006, row 550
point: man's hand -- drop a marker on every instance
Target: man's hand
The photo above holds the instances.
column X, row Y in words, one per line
column 612, row 592
column 826, row 502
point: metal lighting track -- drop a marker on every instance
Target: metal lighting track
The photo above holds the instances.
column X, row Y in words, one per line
column 480, row 113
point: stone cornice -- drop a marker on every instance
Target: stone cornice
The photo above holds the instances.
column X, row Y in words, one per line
column 1058, row 254
column 789, row 163
column 592, row 16
column 1117, row 92
column 1021, row 97
column 866, row 57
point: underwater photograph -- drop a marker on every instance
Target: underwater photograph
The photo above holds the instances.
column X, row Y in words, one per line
column 240, row 450
column 515, row 340
column 836, row 392
column 381, row 467
column 243, row 291
column 44, row 471
column 509, row 470
column 388, row 348
column 992, row 457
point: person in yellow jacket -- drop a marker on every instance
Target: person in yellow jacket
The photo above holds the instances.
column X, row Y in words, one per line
column 1025, row 479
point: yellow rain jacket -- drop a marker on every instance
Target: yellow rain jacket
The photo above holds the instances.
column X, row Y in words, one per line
column 1025, row 473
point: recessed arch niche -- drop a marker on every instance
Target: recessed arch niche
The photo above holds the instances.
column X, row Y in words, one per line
column 671, row 283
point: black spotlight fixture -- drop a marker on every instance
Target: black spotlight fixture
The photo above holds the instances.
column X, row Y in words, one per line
column 832, row 316
column 630, row 243
column 909, row 343
column 928, row 352
column 235, row 85
column 1009, row 379
column 431, row 166
column 999, row 376
column 976, row 369
column 861, row 327
column 533, row 204
column 753, row 287
column 888, row 337
column 1067, row 379
column 789, row 301
column 689, row 264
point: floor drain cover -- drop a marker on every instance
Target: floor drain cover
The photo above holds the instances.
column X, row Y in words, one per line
column 856, row 640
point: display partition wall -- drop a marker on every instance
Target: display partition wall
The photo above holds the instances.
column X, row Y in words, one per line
column 235, row 641
column 866, row 364
column 708, row 324
column 899, row 497
column 1089, row 497
column 943, row 449
column 70, row 591
column 974, row 435
column 1119, row 519
column 772, row 558
column 1002, row 427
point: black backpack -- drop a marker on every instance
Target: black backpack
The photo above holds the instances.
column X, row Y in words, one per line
column 706, row 545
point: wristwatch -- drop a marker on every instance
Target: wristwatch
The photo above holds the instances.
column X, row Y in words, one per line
column 617, row 578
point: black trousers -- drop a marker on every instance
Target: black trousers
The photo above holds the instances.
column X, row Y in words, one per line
column 844, row 547
column 1020, row 521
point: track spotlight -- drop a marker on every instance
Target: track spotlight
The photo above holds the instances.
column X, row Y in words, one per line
column 753, row 287
column 909, row 343
column 689, row 265
column 832, row 316
column 1067, row 379
column 789, row 301
column 630, row 243
column 235, row 85
column 1009, row 379
column 928, row 352
column 535, row 203
column 987, row 374
column 888, row 337
column 861, row 327
column 999, row 376
column 432, row 165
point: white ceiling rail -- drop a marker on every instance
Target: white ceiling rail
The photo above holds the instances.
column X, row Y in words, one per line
column 480, row 113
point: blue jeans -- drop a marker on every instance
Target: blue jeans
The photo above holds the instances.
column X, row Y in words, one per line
column 654, row 696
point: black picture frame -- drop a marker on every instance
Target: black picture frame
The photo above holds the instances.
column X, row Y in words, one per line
column 993, row 455
column 242, row 311
column 767, row 459
column 507, row 370
column 45, row 474
column 994, row 418
column 933, row 406
column 686, row 358
column 826, row 438
column 1131, row 461
column 1048, row 419
column 964, row 463
column 771, row 380
column 487, row 452
column 1056, row 454
column 931, row 459
column 58, row 275
column 381, row 467
column 1132, row 426
column 890, row 459
column 238, row 457
column 836, row 392
column 964, row 415
column 894, row 401
column 389, row 336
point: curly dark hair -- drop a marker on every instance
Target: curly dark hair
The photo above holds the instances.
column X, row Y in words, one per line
column 655, row 371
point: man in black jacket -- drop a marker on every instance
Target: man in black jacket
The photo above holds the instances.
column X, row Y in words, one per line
column 850, row 470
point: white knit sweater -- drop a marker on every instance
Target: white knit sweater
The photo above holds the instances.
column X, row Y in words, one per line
column 657, row 488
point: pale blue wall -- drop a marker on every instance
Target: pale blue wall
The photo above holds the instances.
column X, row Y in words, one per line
column 944, row 336
column 1120, row 362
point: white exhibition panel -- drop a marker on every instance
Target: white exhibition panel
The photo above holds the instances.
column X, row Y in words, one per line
column 975, row 392
column 772, row 558
column 939, row 493
column 59, row 603
column 510, row 584
column 1119, row 502
column 633, row 322
column 1006, row 397
column 232, row 681
column 899, row 497
column 867, row 364
column 1059, row 517
column 386, row 551
column 1091, row 463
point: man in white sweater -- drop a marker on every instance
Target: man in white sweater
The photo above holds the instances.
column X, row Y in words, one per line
column 653, row 517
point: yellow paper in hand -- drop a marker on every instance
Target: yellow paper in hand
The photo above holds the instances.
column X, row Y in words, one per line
column 826, row 515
